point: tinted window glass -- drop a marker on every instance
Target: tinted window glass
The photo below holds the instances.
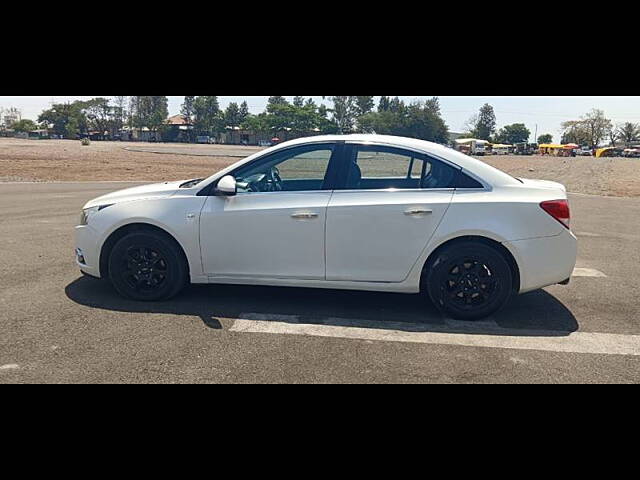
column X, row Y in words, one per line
column 290, row 170
column 465, row 181
column 378, row 167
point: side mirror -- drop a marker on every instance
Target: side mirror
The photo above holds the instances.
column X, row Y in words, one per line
column 226, row 186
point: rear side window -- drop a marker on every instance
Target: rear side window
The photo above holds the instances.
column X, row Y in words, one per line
column 465, row 181
column 371, row 167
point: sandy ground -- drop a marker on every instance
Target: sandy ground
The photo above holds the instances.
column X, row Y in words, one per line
column 618, row 177
column 67, row 160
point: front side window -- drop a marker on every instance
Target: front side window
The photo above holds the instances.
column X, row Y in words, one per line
column 379, row 167
column 291, row 170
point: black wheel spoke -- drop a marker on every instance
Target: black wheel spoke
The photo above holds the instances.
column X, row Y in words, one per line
column 469, row 282
column 144, row 269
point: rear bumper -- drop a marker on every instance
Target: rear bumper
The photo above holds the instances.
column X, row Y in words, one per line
column 87, row 251
column 544, row 261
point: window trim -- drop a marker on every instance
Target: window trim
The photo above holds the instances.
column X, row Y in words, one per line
column 330, row 176
column 485, row 186
column 349, row 150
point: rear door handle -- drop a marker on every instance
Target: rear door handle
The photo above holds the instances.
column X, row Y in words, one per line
column 304, row 215
column 418, row 211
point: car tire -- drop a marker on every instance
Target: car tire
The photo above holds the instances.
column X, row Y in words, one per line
column 468, row 280
column 147, row 266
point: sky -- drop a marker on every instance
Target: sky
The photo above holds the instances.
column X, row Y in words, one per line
column 547, row 113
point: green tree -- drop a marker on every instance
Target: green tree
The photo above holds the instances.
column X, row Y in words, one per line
column 629, row 132
column 597, row 127
column 244, row 111
column 281, row 116
column 485, row 125
column 24, row 125
column 119, row 113
column 383, row 104
column 590, row 130
column 396, row 105
column 344, row 112
column 65, row 119
column 207, row 115
column 515, row 133
column 99, row 114
column 545, row 138
column 276, row 101
column 232, row 115
column 157, row 111
column 187, row 110
column 257, row 123
column 363, row 105
column 298, row 101
column 418, row 120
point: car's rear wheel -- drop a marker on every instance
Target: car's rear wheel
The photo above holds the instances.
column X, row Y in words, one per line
column 147, row 266
column 469, row 280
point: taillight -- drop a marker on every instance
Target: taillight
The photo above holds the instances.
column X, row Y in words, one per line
column 558, row 209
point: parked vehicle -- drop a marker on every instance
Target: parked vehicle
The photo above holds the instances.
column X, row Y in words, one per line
column 524, row 148
column 360, row 212
column 498, row 149
column 205, row 139
column 583, row 152
column 472, row 146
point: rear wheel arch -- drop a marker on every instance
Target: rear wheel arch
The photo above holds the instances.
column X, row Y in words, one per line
column 125, row 230
column 500, row 248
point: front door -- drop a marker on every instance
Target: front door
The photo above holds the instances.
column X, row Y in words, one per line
column 274, row 226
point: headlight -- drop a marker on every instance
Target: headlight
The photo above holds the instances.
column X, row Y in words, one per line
column 88, row 212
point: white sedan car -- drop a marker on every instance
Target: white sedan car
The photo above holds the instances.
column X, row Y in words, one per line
column 361, row 212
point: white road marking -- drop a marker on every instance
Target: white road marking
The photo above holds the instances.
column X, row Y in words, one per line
column 587, row 272
column 10, row 366
column 471, row 335
column 587, row 234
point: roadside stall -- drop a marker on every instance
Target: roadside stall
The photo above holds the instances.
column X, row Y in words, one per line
column 607, row 152
column 557, row 150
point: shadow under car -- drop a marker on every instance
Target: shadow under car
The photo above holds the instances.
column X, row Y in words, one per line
column 532, row 314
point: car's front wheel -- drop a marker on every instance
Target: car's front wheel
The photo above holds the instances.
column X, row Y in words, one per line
column 469, row 280
column 147, row 266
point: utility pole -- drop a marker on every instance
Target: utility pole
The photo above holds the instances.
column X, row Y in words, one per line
column 535, row 137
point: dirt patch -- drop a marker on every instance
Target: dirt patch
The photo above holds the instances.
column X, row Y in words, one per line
column 68, row 160
column 619, row 177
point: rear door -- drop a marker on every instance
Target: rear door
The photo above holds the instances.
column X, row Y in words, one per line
column 387, row 205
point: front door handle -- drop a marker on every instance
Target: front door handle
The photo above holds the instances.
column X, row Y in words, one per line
column 418, row 211
column 304, row 215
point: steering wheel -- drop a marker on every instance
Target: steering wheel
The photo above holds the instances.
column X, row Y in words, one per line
column 275, row 181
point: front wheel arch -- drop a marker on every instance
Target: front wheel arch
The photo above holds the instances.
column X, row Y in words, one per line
column 515, row 271
column 121, row 232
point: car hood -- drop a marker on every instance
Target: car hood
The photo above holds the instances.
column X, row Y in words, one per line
column 143, row 192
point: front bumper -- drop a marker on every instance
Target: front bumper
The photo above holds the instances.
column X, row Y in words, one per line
column 87, row 251
column 544, row 261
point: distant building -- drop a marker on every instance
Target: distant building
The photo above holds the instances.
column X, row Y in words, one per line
column 178, row 129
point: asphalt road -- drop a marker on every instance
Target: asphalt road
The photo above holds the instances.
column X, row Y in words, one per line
column 58, row 326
